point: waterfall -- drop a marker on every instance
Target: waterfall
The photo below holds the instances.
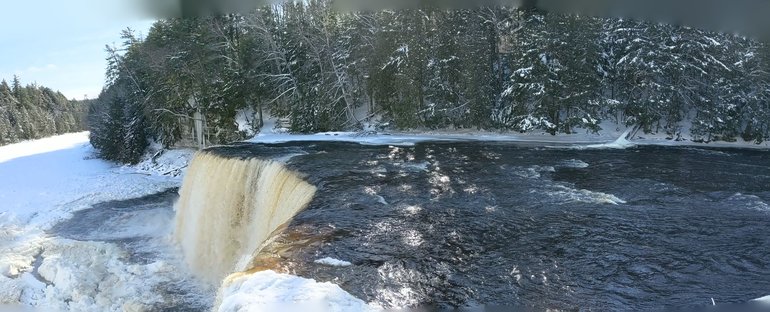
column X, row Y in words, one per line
column 228, row 207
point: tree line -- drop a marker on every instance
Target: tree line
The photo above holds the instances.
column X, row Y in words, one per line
column 492, row 68
column 33, row 112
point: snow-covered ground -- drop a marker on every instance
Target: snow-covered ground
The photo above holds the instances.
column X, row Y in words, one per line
column 43, row 182
column 165, row 162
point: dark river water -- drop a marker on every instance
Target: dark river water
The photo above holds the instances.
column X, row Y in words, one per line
column 467, row 224
column 443, row 225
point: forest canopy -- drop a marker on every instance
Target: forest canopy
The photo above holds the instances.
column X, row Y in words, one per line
column 491, row 68
column 33, row 112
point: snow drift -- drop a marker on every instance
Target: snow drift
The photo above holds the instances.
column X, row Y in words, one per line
column 229, row 207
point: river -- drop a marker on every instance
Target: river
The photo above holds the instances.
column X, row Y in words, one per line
column 464, row 224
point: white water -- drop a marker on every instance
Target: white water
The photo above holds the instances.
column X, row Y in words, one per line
column 333, row 262
column 566, row 194
column 229, row 207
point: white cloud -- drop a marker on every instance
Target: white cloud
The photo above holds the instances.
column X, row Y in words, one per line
column 39, row 69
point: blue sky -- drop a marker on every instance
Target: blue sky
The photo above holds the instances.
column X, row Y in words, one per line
column 60, row 43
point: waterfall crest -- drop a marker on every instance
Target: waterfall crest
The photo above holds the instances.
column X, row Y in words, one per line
column 228, row 207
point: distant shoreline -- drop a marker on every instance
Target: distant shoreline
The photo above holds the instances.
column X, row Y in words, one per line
column 579, row 140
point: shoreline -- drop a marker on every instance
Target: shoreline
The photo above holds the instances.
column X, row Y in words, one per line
column 609, row 140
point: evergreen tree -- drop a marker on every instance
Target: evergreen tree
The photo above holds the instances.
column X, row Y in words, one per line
column 490, row 68
column 32, row 112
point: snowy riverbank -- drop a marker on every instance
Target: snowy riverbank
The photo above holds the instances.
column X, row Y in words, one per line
column 45, row 181
column 611, row 136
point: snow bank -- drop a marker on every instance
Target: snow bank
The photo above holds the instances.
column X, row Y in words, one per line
column 273, row 133
column 354, row 137
column 612, row 137
column 171, row 162
column 409, row 139
column 271, row 291
column 95, row 276
column 333, row 262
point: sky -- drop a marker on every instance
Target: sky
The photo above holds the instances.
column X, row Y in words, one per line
column 60, row 43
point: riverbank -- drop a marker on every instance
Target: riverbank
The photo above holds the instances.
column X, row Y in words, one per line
column 604, row 139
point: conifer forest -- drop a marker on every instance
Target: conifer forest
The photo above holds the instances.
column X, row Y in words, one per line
column 489, row 68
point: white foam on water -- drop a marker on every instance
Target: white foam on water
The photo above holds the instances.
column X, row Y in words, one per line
column 414, row 167
column 412, row 238
column 402, row 295
column 135, row 224
column 333, row 262
column 411, row 210
column 575, row 163
column 566, row 194
column 532, row 172
column 750, row 201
